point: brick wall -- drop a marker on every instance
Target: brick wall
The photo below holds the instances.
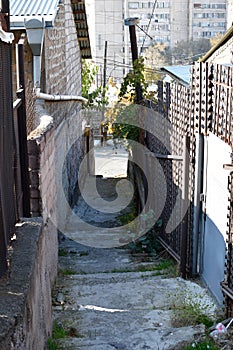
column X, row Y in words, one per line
column 26, row 295
column 55, row 151
column 56, row 147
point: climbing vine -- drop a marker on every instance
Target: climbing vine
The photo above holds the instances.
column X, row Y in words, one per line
column 96, row 96
column 132, row 80
column 122, row 115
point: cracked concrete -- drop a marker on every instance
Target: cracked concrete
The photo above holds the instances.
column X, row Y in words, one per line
column 118, row 310
column 101, row 293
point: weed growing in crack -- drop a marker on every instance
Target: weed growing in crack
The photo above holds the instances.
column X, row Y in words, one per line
column 148, row 243
column 61, row 332
column 203, row 345
column 52, row 345
column 191, row 308
column 67, row 272
column 62, row 252
column 83, row 253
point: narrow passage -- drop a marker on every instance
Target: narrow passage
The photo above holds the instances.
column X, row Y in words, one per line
column 106, row 298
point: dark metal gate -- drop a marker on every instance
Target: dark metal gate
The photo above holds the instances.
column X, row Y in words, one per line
column 173, row 106
column 14, row 184
column 7, row 151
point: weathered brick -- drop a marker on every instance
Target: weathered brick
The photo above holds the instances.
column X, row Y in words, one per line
column 32, row 147
column 34, row 178
column 35, row 207
column 33, row 161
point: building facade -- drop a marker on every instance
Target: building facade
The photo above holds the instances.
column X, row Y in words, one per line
column 167, row 22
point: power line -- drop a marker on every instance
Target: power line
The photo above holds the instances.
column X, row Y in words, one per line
column 124, row 65
column 148, row 26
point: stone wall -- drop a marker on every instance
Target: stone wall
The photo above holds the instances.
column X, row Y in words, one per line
column 25, row 303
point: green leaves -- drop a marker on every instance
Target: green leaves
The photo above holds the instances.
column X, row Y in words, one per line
column 96, row 95
column 132, row 80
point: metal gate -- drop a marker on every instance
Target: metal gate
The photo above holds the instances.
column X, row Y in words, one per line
column 173, row 106
column 14, row 184
column 7, row 152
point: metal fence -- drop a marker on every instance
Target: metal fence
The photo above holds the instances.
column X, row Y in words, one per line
column 206, row 106
column 173, row 105
column 14, row 185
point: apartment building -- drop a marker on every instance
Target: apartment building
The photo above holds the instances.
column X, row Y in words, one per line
column 107, row 35
column 208, row 19
column 167, row 22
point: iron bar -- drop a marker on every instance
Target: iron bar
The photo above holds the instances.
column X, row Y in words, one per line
column 22, row 127
column 185, row 189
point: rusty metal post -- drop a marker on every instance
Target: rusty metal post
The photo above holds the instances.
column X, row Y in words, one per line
column 3, row 247
column 131, row 22
column 185, row 191
column 22, row 127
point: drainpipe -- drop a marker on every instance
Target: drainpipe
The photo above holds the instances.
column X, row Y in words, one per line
column 49, row 97
column 35, row 33
column 196, row 263
column 35, row 29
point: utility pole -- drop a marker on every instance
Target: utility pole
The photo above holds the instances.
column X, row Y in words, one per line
column 131, row 23
column 105, row 64
column 102, row 127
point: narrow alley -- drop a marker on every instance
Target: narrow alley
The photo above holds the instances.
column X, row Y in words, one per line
column 106, row 298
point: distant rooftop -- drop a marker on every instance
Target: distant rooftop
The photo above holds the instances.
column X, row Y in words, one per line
column 180, row 73
column 21, row 10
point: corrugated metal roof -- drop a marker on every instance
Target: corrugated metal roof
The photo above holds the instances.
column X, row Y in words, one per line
column 27, row 9
column 180, row 73
column 80, row 20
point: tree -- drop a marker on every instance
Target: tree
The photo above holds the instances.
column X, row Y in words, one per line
column 96, row 96
column 134, row 78
column 215, row 40
column 186, row 52
column 157, row 55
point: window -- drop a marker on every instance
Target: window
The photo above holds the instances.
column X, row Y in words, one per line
column 133, row 5
column 219, row 24
column 206, row 34
column 163, row 4
column 99, row 42
column 162, row 16
column 144, row 5
column 163, row 27
column 209, row 6
column 209, row 15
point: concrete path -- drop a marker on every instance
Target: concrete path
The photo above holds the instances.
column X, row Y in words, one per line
column 110, row 160
column 107, row 299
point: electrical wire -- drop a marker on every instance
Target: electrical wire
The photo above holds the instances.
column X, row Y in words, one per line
column 144, row 32
column 148, row 26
